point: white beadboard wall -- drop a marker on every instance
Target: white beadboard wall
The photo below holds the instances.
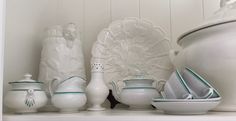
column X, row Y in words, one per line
column 26, row 21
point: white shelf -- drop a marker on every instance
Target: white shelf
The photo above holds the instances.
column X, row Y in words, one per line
column 120, row 115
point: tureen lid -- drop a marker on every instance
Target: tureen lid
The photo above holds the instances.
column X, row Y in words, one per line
column 27, row 79
column 226, row 14
column 135, row 77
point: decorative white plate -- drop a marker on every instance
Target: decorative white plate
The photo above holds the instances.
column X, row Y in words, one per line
column 132, row 47
column 186, row 108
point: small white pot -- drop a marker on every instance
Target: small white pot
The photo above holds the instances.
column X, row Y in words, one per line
column 26, row 95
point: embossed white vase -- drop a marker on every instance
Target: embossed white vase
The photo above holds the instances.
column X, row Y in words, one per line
column 61, row 55
column 97, row 91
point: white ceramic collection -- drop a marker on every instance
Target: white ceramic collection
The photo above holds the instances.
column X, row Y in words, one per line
column 132, row 46
column 69, row 95
column 137, row 93
column 123, row 54
column 26, row 95
column 97, row 91
column 210, row 50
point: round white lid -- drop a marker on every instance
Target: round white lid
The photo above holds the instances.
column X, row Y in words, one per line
column 226, row 14
column 27, row 79
column 136, row 77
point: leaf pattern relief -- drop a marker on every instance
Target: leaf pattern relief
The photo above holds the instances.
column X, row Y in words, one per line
column 131, row 47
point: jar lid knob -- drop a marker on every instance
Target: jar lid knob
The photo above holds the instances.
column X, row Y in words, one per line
column 28, row 76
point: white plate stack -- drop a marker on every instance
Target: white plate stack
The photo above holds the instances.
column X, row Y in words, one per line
column 188, row 93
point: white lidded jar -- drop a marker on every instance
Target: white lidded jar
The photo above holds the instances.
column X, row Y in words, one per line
column 26, row 95
column 97, row 91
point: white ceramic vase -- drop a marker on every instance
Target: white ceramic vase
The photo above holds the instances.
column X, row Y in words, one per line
column 97, row 91
column 61, row 55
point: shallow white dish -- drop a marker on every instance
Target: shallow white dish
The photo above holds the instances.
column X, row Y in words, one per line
column 132, row 46
column 186, row 108
column 186, row 100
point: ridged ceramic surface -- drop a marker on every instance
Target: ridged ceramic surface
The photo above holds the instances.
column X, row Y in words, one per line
column 131, row 47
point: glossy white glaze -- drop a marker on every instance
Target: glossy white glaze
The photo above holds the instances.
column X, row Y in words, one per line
column 132, row 46
column 69, row 102
column 211, row 53
column 25, row 96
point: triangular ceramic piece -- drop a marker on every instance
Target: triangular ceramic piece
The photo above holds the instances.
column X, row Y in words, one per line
column 176, row 88
column 200, row 88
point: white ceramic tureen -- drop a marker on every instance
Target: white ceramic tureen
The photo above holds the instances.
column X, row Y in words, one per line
column 26, row 95
column 138, row 92
column 210, row 50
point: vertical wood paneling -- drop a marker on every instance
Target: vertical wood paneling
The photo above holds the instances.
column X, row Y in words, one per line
column 26, row 21
column 124, row 8
column 210, row 6
column 185, row 14
column 158, row 12
column 97, row 16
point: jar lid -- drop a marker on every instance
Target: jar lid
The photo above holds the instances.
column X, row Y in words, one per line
column 27, row 79
column 226, row 14
column 136, row 77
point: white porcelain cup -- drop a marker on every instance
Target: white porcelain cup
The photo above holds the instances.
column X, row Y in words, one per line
column 176, row 88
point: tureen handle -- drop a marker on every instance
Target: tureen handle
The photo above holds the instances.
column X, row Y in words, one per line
column 115, row 91
column 160, row 87
column 51, row 91
column 172, row 55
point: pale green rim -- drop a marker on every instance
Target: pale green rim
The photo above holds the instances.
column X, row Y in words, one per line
column 69, row 93
column 139, row 88
column 25, row 90
column 26, row 82
column 216, row 99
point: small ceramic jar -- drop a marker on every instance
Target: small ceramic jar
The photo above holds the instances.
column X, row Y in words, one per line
column 26, row 95
column 137, row 93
